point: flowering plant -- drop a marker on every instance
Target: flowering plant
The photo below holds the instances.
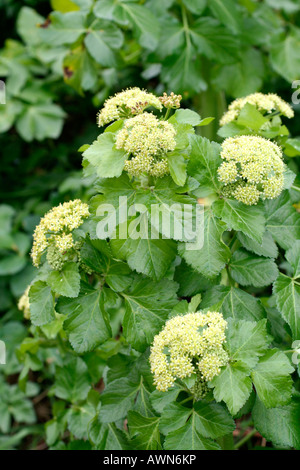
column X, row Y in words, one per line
column 161, row 341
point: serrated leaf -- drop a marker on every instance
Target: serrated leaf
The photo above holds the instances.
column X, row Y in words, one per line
column 182, row 73
column 87, row 322
column 287, row 292
column 211, row 420
column 148, row 305
column 248, row 269
column 106, row 436
column 65, row 282
column 293, row 257
column 233, row 302
column 102, row 154
column 41, row 300
column 266, row 248
column 248, row 219
column 246, row 342
column 79, row 419
column 214, row 254
column 214, row 41
column 144, row 431
column 72, row 380
column 204, row 162
column 279, row 425
column 226, row 11
column 272, row 380
column 282, row 220
column 188, row 438
column 146, row 256
column 144, row 23
column 232, row 386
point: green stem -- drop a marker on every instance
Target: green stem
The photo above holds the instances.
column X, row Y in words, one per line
column 245, row 439
column 167, row 114
column 295, row 188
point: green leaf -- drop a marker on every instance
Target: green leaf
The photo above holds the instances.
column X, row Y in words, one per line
column 101, row 41
column 211, row 420
column 118, row 398
column 287, row 292
column 285, row 55
column 272, row 380
column 247, row 219
column 232, row 386
column 150, row 257
column 246, row 342
column 148, row 305
column 65, row 28
column 214, row 41
column 283, row 221
column 279, row 425
column 144, row 431
column 159, row 400
column 65, row 282
column 188, row 438
column 27, row 22
column 72, row 380
column 293, row 257
column 107, row 436
column 80, row 70
column 251, row 118
column 79, row 419
column 38, row 121
column 190, row 281
column 187, row 116
column 87, row 322
column 266, row 248
column 243, row 77
column 103, row 155
column 227, row 13
column 204, row 162
column 41, row 300
column 12, row 264
column 177, row 166
column 214, row 254
column 248, row 269
column 233, row 302
column 144, row 23
column 182, row 73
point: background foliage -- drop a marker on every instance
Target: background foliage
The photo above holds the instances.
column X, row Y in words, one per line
column 60, row 61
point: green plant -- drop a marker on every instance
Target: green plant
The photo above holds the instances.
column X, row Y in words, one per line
column 109, row 288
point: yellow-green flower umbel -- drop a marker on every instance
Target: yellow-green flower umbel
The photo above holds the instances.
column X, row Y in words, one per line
column 54, row 229
column 126, row 104
column 252, row 168
column 23, row 304
column 264, row 103
column 146, row 140
column 189, row 344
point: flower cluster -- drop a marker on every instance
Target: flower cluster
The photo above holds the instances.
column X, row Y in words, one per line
column 55, row 227
column 147, row 140
column 189, row 344
column 252, row 169
column 23, row 304
column 172, row 101
column 127, row 103
column 264, row 103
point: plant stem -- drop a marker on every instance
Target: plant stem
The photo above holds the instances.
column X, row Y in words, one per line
column 245, row 439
